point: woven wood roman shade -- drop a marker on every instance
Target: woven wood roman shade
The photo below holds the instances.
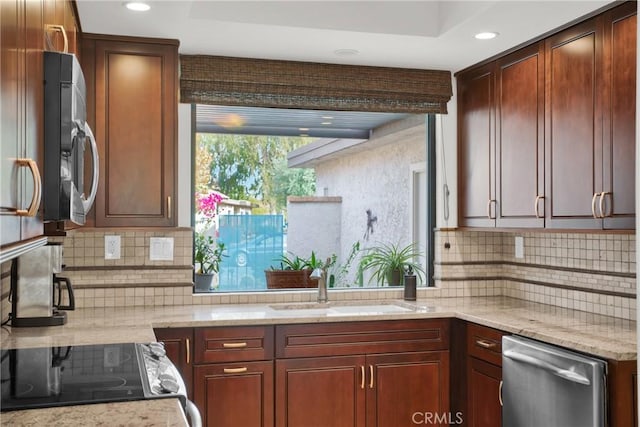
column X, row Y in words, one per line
column 218, row 80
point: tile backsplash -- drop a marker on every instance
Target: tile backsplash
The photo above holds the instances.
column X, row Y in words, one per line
column 133, row 279
column 592, row 272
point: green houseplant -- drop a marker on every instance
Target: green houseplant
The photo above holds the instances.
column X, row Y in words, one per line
column 388, row 262
column 207, row 257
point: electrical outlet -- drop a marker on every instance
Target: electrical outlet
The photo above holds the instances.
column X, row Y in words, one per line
column 519, row 243
column 111, row 247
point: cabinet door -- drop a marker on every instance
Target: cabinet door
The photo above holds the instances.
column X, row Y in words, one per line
column 483, row 405
column 32, row 124
column 573, row 127
column 476, row 156
column 320, row 392
column 235, row 394
column 136, row 112
column 178, row 342
column 408, row 389
column 619, row 120
column 520, row 138
column 9, row 126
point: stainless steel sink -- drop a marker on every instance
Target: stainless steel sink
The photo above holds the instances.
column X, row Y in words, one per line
column 337, row 308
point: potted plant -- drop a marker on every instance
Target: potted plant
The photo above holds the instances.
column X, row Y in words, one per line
column 388, row 262
column 294, row 272
column 208, row 256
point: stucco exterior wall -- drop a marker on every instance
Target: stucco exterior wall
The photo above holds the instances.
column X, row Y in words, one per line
column 380, row 180
column 314, row 225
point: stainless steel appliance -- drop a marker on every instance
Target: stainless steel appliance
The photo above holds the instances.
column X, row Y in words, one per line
column 33, row 300
column 544, row 385
column 65, row 133
column 74, row 375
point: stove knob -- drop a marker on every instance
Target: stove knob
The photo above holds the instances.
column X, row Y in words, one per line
column 169, row 385
column 157, row 351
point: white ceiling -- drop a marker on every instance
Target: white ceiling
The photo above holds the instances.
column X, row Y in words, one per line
column 411, row 34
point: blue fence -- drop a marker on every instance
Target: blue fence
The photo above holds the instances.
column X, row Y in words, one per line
column 253, row 243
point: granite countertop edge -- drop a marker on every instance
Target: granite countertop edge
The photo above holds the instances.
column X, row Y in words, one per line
column 602, row 336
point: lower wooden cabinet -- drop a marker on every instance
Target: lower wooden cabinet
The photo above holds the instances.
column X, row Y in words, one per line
column 235, row 394
column 322, row 391
column 483, row 376
column 406, row 389
column 178, row 345
column 483, row 405
column 385, row 390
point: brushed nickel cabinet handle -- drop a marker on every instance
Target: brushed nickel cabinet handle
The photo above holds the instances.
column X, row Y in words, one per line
column 169, row 207
column 370, row 376
column 188, row 348
column 489, row 209
column 363, row 375
column 485, row 344
column 235, row 370
column 500, row 394
column 537, row 205
column 603, row 214
column 593, row 205
column 37, row 188
column 234, row 345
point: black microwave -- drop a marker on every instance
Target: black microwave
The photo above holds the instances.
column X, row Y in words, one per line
column 66, row 132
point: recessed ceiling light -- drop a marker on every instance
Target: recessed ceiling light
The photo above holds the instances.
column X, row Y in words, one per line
column 325, row 123
column 486, row 35
column 327, row 117
column 304, row 134
column 138, row 6
column 303, row 129
column 346, row 52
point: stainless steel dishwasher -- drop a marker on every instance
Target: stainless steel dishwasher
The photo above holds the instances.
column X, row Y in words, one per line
column 549, row 386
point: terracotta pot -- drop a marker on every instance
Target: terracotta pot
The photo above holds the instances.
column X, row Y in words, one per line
column 284, row 279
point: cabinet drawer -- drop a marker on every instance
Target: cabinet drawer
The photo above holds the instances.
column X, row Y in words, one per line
column 233, row 344
column 341, row 339
column 485, row 343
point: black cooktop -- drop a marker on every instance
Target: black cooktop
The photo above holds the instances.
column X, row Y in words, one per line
column 58, row 376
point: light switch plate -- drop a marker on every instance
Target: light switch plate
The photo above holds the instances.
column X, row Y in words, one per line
column 161, row 248
column 112, row 247
column 519, row 247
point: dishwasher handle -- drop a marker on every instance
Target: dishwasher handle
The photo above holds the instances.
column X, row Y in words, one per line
column 566, row 374
column 192, row 412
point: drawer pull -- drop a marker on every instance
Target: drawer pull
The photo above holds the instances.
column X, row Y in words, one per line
column 235, row 370
column 363, row 375
column 500, row 394
column 187, row 345
column 234, row 344
column 371, row 376
column 485, row 344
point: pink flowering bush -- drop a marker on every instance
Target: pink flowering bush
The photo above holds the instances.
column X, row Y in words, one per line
column 208, row 254
column 207, row 204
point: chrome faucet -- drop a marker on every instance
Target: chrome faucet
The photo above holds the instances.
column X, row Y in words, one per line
column 320, row 274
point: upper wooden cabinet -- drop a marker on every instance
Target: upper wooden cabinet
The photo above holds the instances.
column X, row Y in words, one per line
column 619, row 117
column 22, row 42
column 520, row 138
column 547, row 133
column 476, row 153
column 134, row 84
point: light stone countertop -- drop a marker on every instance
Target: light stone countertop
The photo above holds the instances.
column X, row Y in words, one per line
column 603, row 336
column 141, row 413
column 606, row 337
